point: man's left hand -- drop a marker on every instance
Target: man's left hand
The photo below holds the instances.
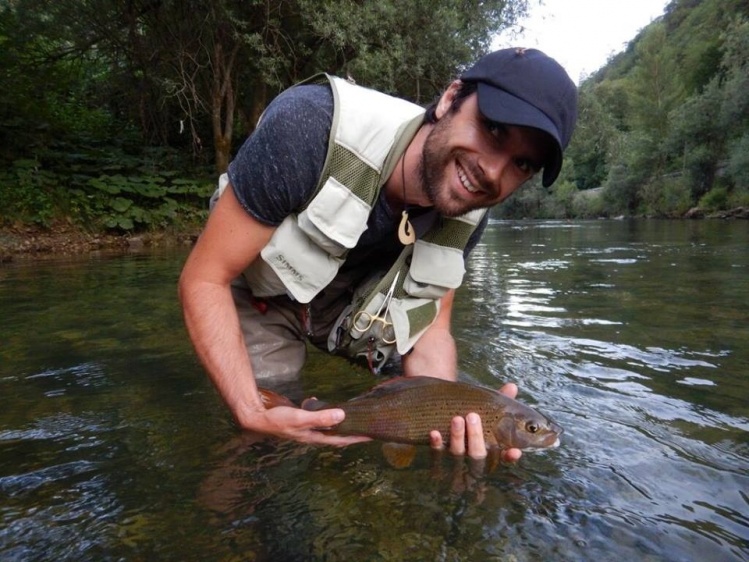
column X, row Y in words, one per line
column 467, row 434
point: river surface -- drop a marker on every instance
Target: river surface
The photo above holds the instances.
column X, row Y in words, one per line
column 634, row 336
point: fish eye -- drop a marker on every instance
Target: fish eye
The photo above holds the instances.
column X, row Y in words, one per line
column 531, row 427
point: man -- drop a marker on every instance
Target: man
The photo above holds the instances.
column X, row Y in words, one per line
column 302, row 244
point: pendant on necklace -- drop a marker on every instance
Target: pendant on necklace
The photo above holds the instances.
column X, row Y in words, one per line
column 406, row 233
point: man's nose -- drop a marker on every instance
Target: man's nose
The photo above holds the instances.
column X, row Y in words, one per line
column 494, row 167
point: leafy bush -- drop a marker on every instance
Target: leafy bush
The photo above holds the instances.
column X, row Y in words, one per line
column 715, row 200
column 104, row 189
column 27, row 192
column 738, row 164
column 588, row 205
column 739, row 198
column 677, row 196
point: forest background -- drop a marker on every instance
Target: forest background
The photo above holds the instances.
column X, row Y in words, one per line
column 117, row 115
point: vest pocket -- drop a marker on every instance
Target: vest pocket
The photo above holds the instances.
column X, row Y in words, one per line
column 335, row 219
column 434, row 270
column 303, row 267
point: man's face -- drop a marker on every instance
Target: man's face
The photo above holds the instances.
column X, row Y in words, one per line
column 469, row 162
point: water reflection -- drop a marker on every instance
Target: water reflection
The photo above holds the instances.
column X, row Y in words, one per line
column 632, row 336
column 588, row 336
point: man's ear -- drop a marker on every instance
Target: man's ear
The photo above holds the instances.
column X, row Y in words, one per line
column 446, row 100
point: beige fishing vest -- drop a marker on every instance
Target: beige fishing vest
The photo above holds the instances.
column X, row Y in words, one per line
column 370, row 131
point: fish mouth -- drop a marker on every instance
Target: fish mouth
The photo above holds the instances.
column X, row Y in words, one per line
column 543, row 446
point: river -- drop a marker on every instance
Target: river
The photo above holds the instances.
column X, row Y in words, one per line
column 632, row 335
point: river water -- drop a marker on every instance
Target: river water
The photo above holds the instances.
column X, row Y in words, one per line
column 634, row 336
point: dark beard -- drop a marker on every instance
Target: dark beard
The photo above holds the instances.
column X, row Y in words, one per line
column 432, row 169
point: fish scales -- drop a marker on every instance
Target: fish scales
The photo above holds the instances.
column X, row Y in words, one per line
column 408, row 415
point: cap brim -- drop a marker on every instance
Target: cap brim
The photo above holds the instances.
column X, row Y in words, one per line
column 502, row 107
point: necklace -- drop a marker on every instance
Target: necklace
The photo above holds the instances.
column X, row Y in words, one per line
column 406, row 233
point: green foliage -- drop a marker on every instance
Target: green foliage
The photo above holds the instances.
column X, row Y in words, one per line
column 666, row 122
column 377, row 44
column 137, row 202
column 675, row 108
column 180, row 75
column 28, row 192
column 739, row 197
column 91, row 89
column 620, row 192
column 108, row 190
column 714, row 200
column 588, row 205
column 668, row 196
column 594, row 141
column 528, row 201
column 738, row 162
column 560, row 204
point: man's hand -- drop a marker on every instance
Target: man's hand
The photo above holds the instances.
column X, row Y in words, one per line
column 300, row 425
column 467, row 434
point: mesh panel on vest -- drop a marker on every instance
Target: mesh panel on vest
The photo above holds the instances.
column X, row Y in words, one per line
column 348, row 169
column 421, row 316
column 451, row 234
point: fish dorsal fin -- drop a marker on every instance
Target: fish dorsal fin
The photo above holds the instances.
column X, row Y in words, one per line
column 400, row 383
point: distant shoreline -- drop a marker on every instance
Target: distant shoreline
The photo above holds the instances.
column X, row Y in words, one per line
column 29, row 242
column 64, row 240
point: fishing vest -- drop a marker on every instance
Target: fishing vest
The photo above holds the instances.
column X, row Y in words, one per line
column 369, row 132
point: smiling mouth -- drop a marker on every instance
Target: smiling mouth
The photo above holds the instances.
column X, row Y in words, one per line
column 470, row 188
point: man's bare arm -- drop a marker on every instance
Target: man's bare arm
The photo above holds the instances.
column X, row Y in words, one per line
column 231, row 241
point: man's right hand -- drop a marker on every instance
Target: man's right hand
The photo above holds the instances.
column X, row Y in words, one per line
column 300, row 425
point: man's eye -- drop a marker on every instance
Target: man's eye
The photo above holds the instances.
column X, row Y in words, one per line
column 525, row 166
column 528, row 166
column 495, row 129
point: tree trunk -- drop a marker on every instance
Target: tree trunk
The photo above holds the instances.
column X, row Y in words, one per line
column 223, row 104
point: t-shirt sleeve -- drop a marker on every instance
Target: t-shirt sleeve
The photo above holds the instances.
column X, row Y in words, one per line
column 277, row 169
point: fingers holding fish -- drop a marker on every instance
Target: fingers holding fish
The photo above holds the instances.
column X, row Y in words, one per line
column 304, row 427
column 475, row 436
column 511, row 455
column 510, row 390
column 458, row 436
column 466, row 436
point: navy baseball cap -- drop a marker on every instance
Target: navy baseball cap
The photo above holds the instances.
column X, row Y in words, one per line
column 525, row 87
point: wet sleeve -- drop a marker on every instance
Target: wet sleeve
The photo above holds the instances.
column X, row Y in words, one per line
column 277, row 169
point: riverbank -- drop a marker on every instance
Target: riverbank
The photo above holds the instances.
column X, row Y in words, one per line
column 34, row 242
column 64, row 239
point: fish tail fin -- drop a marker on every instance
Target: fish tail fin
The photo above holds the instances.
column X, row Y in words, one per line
column 273, row 399
column 313, row 404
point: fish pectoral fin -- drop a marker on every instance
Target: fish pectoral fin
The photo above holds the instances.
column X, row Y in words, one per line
column 399, row 455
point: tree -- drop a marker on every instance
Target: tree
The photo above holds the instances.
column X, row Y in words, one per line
column 242, row 52
column 708, row 127
column 594, row 141
column 202, row 66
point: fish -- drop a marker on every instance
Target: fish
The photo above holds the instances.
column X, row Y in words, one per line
column 406, row 409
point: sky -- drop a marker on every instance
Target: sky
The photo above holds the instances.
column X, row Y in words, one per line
column 582, row 34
